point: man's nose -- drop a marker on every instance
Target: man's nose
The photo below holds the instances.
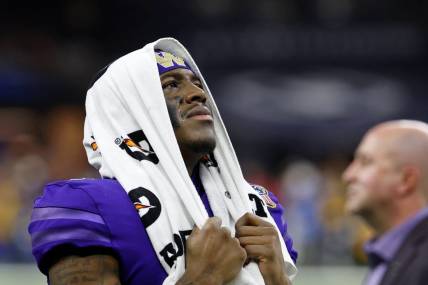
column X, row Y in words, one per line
column 348, row 173
column 195, row 93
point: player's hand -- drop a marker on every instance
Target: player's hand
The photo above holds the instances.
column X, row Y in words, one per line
column 213, row 256
column 260, row 240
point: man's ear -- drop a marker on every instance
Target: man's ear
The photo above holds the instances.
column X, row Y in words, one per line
column 409, row 181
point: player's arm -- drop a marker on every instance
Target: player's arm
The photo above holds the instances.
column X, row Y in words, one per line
column 71, row 241
column 88, row 270
column 277, row 214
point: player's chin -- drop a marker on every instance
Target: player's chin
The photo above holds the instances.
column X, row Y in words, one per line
column 203, row 131
column 204, row 143
column 207, row 144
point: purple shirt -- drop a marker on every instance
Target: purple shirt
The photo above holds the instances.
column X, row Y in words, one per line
column 387, row 246
column 97, row 213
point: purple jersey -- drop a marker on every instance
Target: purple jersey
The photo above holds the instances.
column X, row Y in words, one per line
column 97, row 213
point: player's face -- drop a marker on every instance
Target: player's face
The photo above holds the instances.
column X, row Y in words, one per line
column 187, row 106
column 371, row 177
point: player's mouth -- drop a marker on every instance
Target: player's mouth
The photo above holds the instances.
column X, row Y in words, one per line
column 200, row 113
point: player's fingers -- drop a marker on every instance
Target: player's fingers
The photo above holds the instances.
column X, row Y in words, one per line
column 256, row 240
column 258, row 252
column 244, row 256
column 195, row 230
column 212, row 223
column 255, row 231
column 249, row 219
column 242, row 221
column 226, row 231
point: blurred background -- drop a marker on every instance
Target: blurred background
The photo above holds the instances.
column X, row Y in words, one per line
column 297, row 82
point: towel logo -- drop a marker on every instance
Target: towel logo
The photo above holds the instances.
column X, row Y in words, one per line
column 147, row 205
column 93, row 143
column 137, row 146
column 175, row 249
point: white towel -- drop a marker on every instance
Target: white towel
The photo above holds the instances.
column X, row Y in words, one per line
column 126, row 101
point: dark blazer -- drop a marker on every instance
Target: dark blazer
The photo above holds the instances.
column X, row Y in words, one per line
column 410, row 264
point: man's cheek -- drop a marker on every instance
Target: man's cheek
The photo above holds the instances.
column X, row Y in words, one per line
column 173, row 115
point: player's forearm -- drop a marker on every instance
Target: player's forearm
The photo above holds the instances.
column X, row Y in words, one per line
column 89, row 270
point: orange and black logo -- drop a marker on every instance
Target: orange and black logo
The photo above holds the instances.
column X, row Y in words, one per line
column 147, row 205
column 137, row 146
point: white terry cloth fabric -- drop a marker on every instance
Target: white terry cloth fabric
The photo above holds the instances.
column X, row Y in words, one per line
column 128, row 97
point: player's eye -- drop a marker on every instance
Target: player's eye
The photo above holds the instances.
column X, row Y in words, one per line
column 198, row 83
column 170, row 85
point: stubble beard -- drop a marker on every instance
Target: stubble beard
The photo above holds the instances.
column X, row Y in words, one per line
column 202, row 146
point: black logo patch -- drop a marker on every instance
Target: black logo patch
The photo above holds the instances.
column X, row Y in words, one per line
column 147, row 205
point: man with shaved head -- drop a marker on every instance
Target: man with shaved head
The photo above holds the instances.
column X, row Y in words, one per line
column 387, row 185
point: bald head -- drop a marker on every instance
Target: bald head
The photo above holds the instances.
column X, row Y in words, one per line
column 387, row 181
column 406, row 143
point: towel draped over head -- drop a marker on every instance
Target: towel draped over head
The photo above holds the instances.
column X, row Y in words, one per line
column 128, row 136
